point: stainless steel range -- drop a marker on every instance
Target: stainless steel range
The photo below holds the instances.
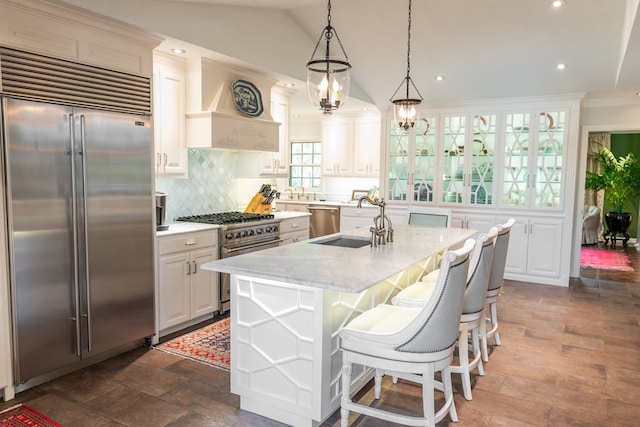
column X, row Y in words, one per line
column 240, row 233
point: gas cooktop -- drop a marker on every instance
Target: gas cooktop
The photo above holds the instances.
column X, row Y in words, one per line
column 226, row 218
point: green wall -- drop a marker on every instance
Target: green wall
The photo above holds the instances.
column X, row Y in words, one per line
column 621, row 145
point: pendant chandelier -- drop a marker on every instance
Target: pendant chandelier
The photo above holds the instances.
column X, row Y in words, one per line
column 405, row 104
column 328, row 74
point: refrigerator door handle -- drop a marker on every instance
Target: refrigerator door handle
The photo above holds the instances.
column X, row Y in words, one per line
column 74, row 219
column 86, row 231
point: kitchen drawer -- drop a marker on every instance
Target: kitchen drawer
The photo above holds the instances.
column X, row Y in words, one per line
column 294, row 237
column 187, row 241
column 294, row 224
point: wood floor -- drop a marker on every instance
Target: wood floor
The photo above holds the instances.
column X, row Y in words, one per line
column 569, row 357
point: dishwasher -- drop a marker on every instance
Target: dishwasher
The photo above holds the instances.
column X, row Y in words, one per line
column 324, row 220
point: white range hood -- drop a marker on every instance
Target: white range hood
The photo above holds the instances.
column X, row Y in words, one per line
column 213, row 121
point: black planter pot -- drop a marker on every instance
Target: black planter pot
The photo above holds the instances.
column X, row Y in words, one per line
column 617, row 223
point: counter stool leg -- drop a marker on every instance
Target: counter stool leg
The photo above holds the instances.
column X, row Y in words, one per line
column 428, row 395
column 447, row 386
column 346, row 391
column 494, row 322
column 377, row 379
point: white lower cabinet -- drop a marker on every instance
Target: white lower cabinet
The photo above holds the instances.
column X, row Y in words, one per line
column 353, row 217
column 535, row 249
column 480, row 223
column 187, row 294
column 293, row 206
column 294, row 229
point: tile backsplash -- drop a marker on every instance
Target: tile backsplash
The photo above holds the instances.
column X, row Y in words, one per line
column 209, row 187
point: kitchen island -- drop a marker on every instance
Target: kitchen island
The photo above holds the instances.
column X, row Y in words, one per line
column 288, row 304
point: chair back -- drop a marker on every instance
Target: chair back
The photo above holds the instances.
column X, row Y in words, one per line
column 500, row 255
column 429, row 216
column 435, row 329
column 480, row 264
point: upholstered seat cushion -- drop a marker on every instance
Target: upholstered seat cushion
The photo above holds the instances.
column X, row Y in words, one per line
column 415, row 295
column 431, row 277
column 381, row 330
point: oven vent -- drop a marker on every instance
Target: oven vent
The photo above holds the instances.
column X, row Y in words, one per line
column 34, row 76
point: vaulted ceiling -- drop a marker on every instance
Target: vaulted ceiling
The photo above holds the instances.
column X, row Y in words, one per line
column 485, row 48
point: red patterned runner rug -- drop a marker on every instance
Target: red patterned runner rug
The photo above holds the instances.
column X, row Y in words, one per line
column 210, row 344
column 24, row 416
column 606, row 259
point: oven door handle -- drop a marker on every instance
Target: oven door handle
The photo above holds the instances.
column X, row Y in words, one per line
column 257, row 245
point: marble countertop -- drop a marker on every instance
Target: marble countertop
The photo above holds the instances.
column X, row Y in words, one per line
column 339, row 268
column 188, row 227
column 325, row 202
column 185, row 227
column 289, row 214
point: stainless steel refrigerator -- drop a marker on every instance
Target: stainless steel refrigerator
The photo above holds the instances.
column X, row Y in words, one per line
column 80, row 206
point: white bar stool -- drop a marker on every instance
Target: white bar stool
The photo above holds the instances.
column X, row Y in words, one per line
column 495, row 284
column 410, row 343
column 472, row 316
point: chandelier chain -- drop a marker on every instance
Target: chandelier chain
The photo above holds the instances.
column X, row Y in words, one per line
column 409, row 44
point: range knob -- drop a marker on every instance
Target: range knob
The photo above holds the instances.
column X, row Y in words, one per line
column 259, row 230
column 244, row 233
column 252, row 232
column 275, row 228
column 238, row 235
column 229, row 236
column 268, row 229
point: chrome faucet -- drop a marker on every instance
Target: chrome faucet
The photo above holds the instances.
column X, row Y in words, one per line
column 382, row 230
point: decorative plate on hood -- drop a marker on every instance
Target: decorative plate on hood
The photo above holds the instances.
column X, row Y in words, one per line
column 247, row 98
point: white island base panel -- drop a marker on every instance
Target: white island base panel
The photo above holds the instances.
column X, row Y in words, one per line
column 285, row 357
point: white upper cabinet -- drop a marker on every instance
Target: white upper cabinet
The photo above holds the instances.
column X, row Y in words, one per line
column 337, row 146
column 278, row 163
column 67, row 32
column 351, row 146
column 366, row 146
column 169, row 116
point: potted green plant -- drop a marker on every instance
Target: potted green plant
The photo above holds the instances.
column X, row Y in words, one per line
column 619, row 177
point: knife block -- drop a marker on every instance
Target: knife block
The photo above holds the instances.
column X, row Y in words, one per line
column 257, row 205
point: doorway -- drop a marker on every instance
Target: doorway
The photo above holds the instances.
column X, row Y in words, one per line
column 588, row 134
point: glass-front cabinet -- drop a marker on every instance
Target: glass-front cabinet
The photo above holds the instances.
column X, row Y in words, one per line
column 412, row 162
column 468, row 159
column 492, row 160
column 533, row 159
column 512, row 160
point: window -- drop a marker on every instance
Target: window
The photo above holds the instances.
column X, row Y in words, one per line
column 304, row 168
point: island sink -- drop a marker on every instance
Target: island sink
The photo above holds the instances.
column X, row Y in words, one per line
column 344, row 242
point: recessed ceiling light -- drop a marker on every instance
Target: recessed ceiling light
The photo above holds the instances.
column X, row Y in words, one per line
column 561, row 66
column 439, row 78
column 557, row 3
column 637, row 93
column 289, row 84
column 178, row 51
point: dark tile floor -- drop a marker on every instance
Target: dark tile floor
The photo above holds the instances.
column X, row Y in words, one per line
column 569, row 357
